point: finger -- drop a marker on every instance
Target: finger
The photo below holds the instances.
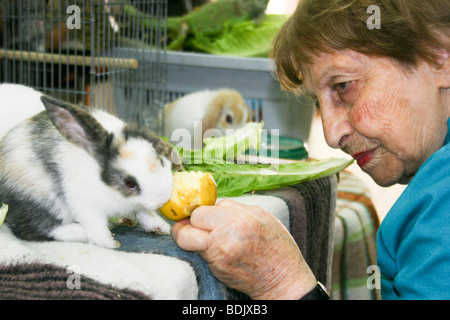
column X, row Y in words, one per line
column 246, row 208
column 207, row 217
column 236, row 206
column 231, row 204
column 189, row 238
column 185, row 221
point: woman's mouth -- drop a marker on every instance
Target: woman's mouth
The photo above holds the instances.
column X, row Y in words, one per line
column 363, row 158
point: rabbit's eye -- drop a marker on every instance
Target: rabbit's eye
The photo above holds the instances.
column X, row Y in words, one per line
column 229, row 119
column 130, row 183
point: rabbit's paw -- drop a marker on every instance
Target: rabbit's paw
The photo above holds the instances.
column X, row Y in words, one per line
column 109, row 242
column 102, row 237
column 152, row 222
column 71, row 232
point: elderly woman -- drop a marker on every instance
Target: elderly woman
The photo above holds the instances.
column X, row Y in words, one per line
column 383, row 95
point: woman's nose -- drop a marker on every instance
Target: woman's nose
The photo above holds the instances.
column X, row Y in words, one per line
column 336, row 126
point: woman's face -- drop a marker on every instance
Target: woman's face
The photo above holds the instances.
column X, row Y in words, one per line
column 390, row 120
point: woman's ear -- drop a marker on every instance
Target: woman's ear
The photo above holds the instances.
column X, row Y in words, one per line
column 442, row 69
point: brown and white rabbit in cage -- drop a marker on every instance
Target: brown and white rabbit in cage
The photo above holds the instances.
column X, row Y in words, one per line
column 199, row 111
column 65, row 171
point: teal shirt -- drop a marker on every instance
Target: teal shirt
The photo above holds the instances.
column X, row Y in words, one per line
column 414, row 238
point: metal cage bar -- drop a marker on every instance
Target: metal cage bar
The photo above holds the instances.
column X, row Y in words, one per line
column 89, row 52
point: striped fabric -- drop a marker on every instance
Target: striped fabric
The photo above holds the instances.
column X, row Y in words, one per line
column 356, row 225
column 38, row 281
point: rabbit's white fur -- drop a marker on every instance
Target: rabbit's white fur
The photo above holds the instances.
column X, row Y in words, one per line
column 200, row 111
column 67, row 183
column 18, row 103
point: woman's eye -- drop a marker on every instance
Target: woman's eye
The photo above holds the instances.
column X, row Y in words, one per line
column 341, row 87
column 345, row 91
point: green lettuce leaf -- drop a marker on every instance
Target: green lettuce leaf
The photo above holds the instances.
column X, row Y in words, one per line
column 232, row 145
column 227, row 147
column 243, row 39
column 3, row 211
column 236, row 179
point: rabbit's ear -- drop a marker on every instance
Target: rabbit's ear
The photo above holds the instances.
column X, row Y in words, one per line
column 75, row 124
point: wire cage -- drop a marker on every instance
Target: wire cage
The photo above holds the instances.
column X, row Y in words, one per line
column 89, row 52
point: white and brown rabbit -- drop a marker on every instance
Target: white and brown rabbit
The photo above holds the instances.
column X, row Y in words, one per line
column 197, row 112
column 65, row 171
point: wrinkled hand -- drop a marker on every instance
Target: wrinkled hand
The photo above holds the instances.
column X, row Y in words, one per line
column 248, row 249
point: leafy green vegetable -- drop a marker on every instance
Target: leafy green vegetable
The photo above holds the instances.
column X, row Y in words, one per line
column 243, row 39
column 208, row 20
column 236, row 179
column 218, row 149
column 3, row 211
column 249, row 136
